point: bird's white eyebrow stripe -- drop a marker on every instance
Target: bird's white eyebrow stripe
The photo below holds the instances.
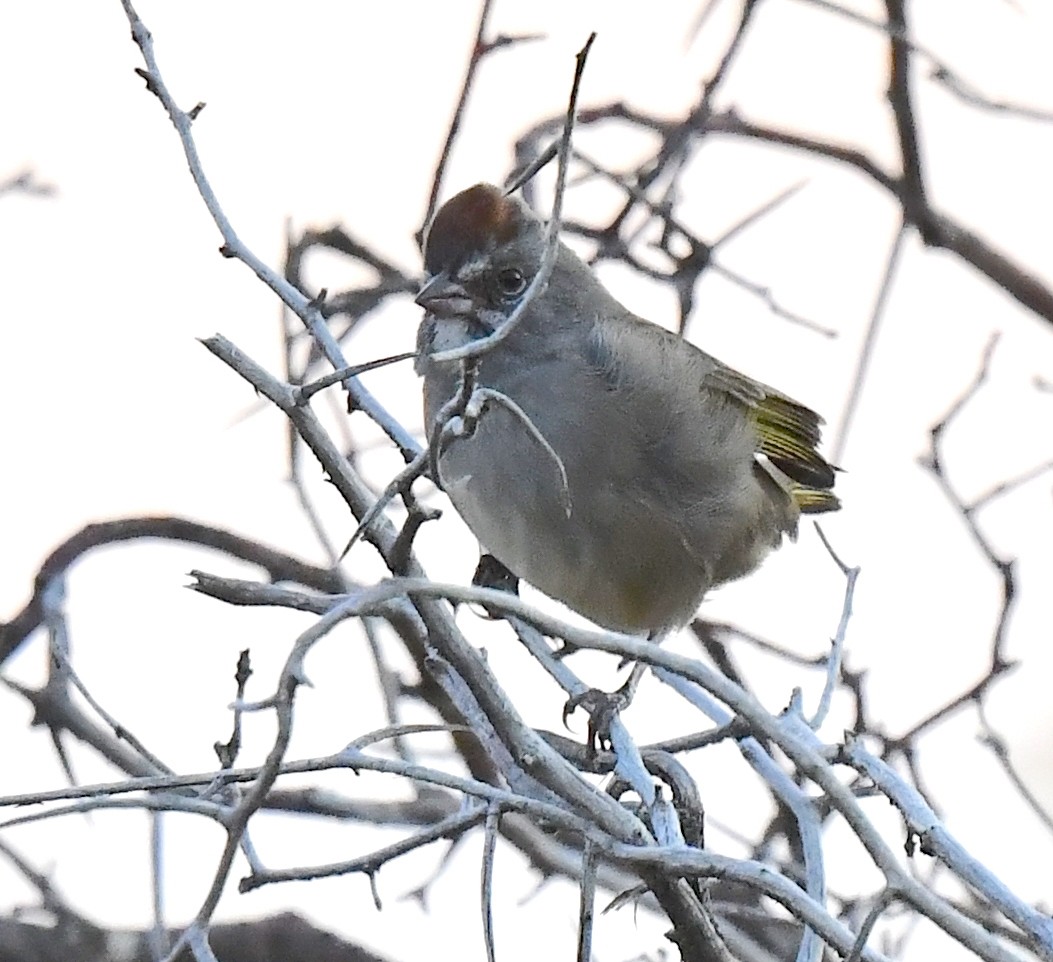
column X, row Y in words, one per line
column 473, row 267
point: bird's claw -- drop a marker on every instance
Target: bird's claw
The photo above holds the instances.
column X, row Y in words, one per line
column 602, row 707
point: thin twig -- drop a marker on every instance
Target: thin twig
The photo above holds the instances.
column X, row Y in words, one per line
column 61, row 659
column 278, row 565
column 493, row 820
column 1006, row 487
column 307, row 391
column 480, row 49
column 398, row 485
column 227, row 753
column 1000, row 750
column 884, row 900
column 866, row 351
column 833, row 667
column 160, row 943
column 482, row 345
column 966, row 92
column 451, row 827
column 1004, row 567
column 305, row 308
column 586, row 903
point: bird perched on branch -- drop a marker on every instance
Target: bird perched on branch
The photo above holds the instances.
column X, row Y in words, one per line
column 605, row 460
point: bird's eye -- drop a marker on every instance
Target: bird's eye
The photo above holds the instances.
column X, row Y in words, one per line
column 510, row 282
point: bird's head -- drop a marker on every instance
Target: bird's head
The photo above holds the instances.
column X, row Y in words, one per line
column 482, row 251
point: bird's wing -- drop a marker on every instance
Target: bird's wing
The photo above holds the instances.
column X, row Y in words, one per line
column 787, row 432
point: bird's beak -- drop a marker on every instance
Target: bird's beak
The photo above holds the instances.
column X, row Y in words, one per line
column 444, row 297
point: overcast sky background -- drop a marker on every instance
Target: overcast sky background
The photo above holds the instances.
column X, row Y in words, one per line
column 325, row 113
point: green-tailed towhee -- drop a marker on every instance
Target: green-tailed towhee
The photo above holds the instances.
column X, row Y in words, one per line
column 662, row 472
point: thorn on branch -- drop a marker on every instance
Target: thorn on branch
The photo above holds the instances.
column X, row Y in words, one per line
column 149, row 80
column 228, row 753
column 508, row 40
column 400, row 485
column 401, row 550
column 307, row 391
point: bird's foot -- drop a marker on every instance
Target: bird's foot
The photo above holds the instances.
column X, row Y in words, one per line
column 603, row 707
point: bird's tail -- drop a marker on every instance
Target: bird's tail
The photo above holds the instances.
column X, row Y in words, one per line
column 814, row 500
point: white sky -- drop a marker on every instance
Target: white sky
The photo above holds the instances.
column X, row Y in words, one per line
column 328, row 112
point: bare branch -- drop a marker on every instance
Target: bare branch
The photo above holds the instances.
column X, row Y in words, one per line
column 304, row 308
column 480, row 346
column 480, row 49
column 1005, row 568
column 833, row 667
column 866, row 351
column 493, row 821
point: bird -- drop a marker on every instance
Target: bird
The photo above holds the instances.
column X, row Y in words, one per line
column 612, row 464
